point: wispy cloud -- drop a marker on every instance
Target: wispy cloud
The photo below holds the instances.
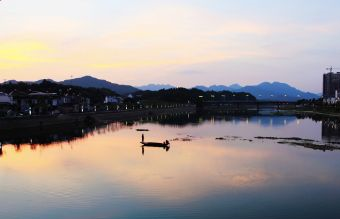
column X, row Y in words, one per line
column 158, row 38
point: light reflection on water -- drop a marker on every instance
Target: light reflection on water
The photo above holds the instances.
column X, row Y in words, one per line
column 102, row 173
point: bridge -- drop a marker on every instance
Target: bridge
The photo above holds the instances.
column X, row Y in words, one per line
column 258, row 104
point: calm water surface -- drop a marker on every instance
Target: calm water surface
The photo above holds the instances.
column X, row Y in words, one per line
column 103, row 173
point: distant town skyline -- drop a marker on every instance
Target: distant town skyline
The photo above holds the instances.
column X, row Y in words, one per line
column 183, row 43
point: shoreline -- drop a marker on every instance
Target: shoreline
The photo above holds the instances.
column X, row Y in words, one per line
column 7, row 124
column 337, row 115
column 90, row 118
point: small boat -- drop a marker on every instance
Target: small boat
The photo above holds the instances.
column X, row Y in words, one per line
column 142, row 130
column 165, row 145
column 156, row 144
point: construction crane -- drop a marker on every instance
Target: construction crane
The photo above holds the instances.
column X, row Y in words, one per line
column 330, row 69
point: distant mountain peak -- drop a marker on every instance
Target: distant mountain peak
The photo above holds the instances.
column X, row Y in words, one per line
column 156, row 87
column 235, row 86
column 43, row 80
column 89, row 81
column 90, row 77
column 277, row 91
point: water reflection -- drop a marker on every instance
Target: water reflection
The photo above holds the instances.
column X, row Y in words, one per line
column 47, row 136
column 197, row 119
column 166, row 148
column 35, row 138
column 330, row 127
column 104, row 174
column 42, row 138
column 331, row 131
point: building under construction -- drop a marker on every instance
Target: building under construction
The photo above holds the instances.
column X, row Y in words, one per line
column 331, row 86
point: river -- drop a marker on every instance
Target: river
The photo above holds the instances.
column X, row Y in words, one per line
column 215, row 167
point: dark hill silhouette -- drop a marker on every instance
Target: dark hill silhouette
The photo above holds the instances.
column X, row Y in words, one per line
column 88, row 81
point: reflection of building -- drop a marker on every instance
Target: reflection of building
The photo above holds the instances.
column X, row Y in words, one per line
column 331, row 87
column 330, row 131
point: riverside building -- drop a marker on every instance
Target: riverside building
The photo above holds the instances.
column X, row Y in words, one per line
column 331, row 87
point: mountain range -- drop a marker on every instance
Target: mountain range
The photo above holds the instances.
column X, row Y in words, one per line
column 219, row 87
column 89, row 81
column 262, row 91
column 156, row 87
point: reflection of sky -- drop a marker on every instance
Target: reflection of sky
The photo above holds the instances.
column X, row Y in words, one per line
column 104, row 175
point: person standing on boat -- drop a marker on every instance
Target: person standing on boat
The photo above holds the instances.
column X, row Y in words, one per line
column 1, row 153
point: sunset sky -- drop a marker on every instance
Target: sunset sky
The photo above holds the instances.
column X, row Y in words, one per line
column 180, row 42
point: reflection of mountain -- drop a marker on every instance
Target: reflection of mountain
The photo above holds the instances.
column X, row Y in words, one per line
column 196, row 119
column 272, row 120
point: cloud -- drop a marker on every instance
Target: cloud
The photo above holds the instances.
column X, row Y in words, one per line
column 16, row 54
column 140, row 43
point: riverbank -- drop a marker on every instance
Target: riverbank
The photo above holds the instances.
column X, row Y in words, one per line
column 317, row 113
column 90, row 118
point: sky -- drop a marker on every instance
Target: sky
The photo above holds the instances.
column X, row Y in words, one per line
column 179, row 42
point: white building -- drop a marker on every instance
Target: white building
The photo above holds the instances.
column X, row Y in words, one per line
column 5, row 98
column 331, row 100
column 111, row 99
